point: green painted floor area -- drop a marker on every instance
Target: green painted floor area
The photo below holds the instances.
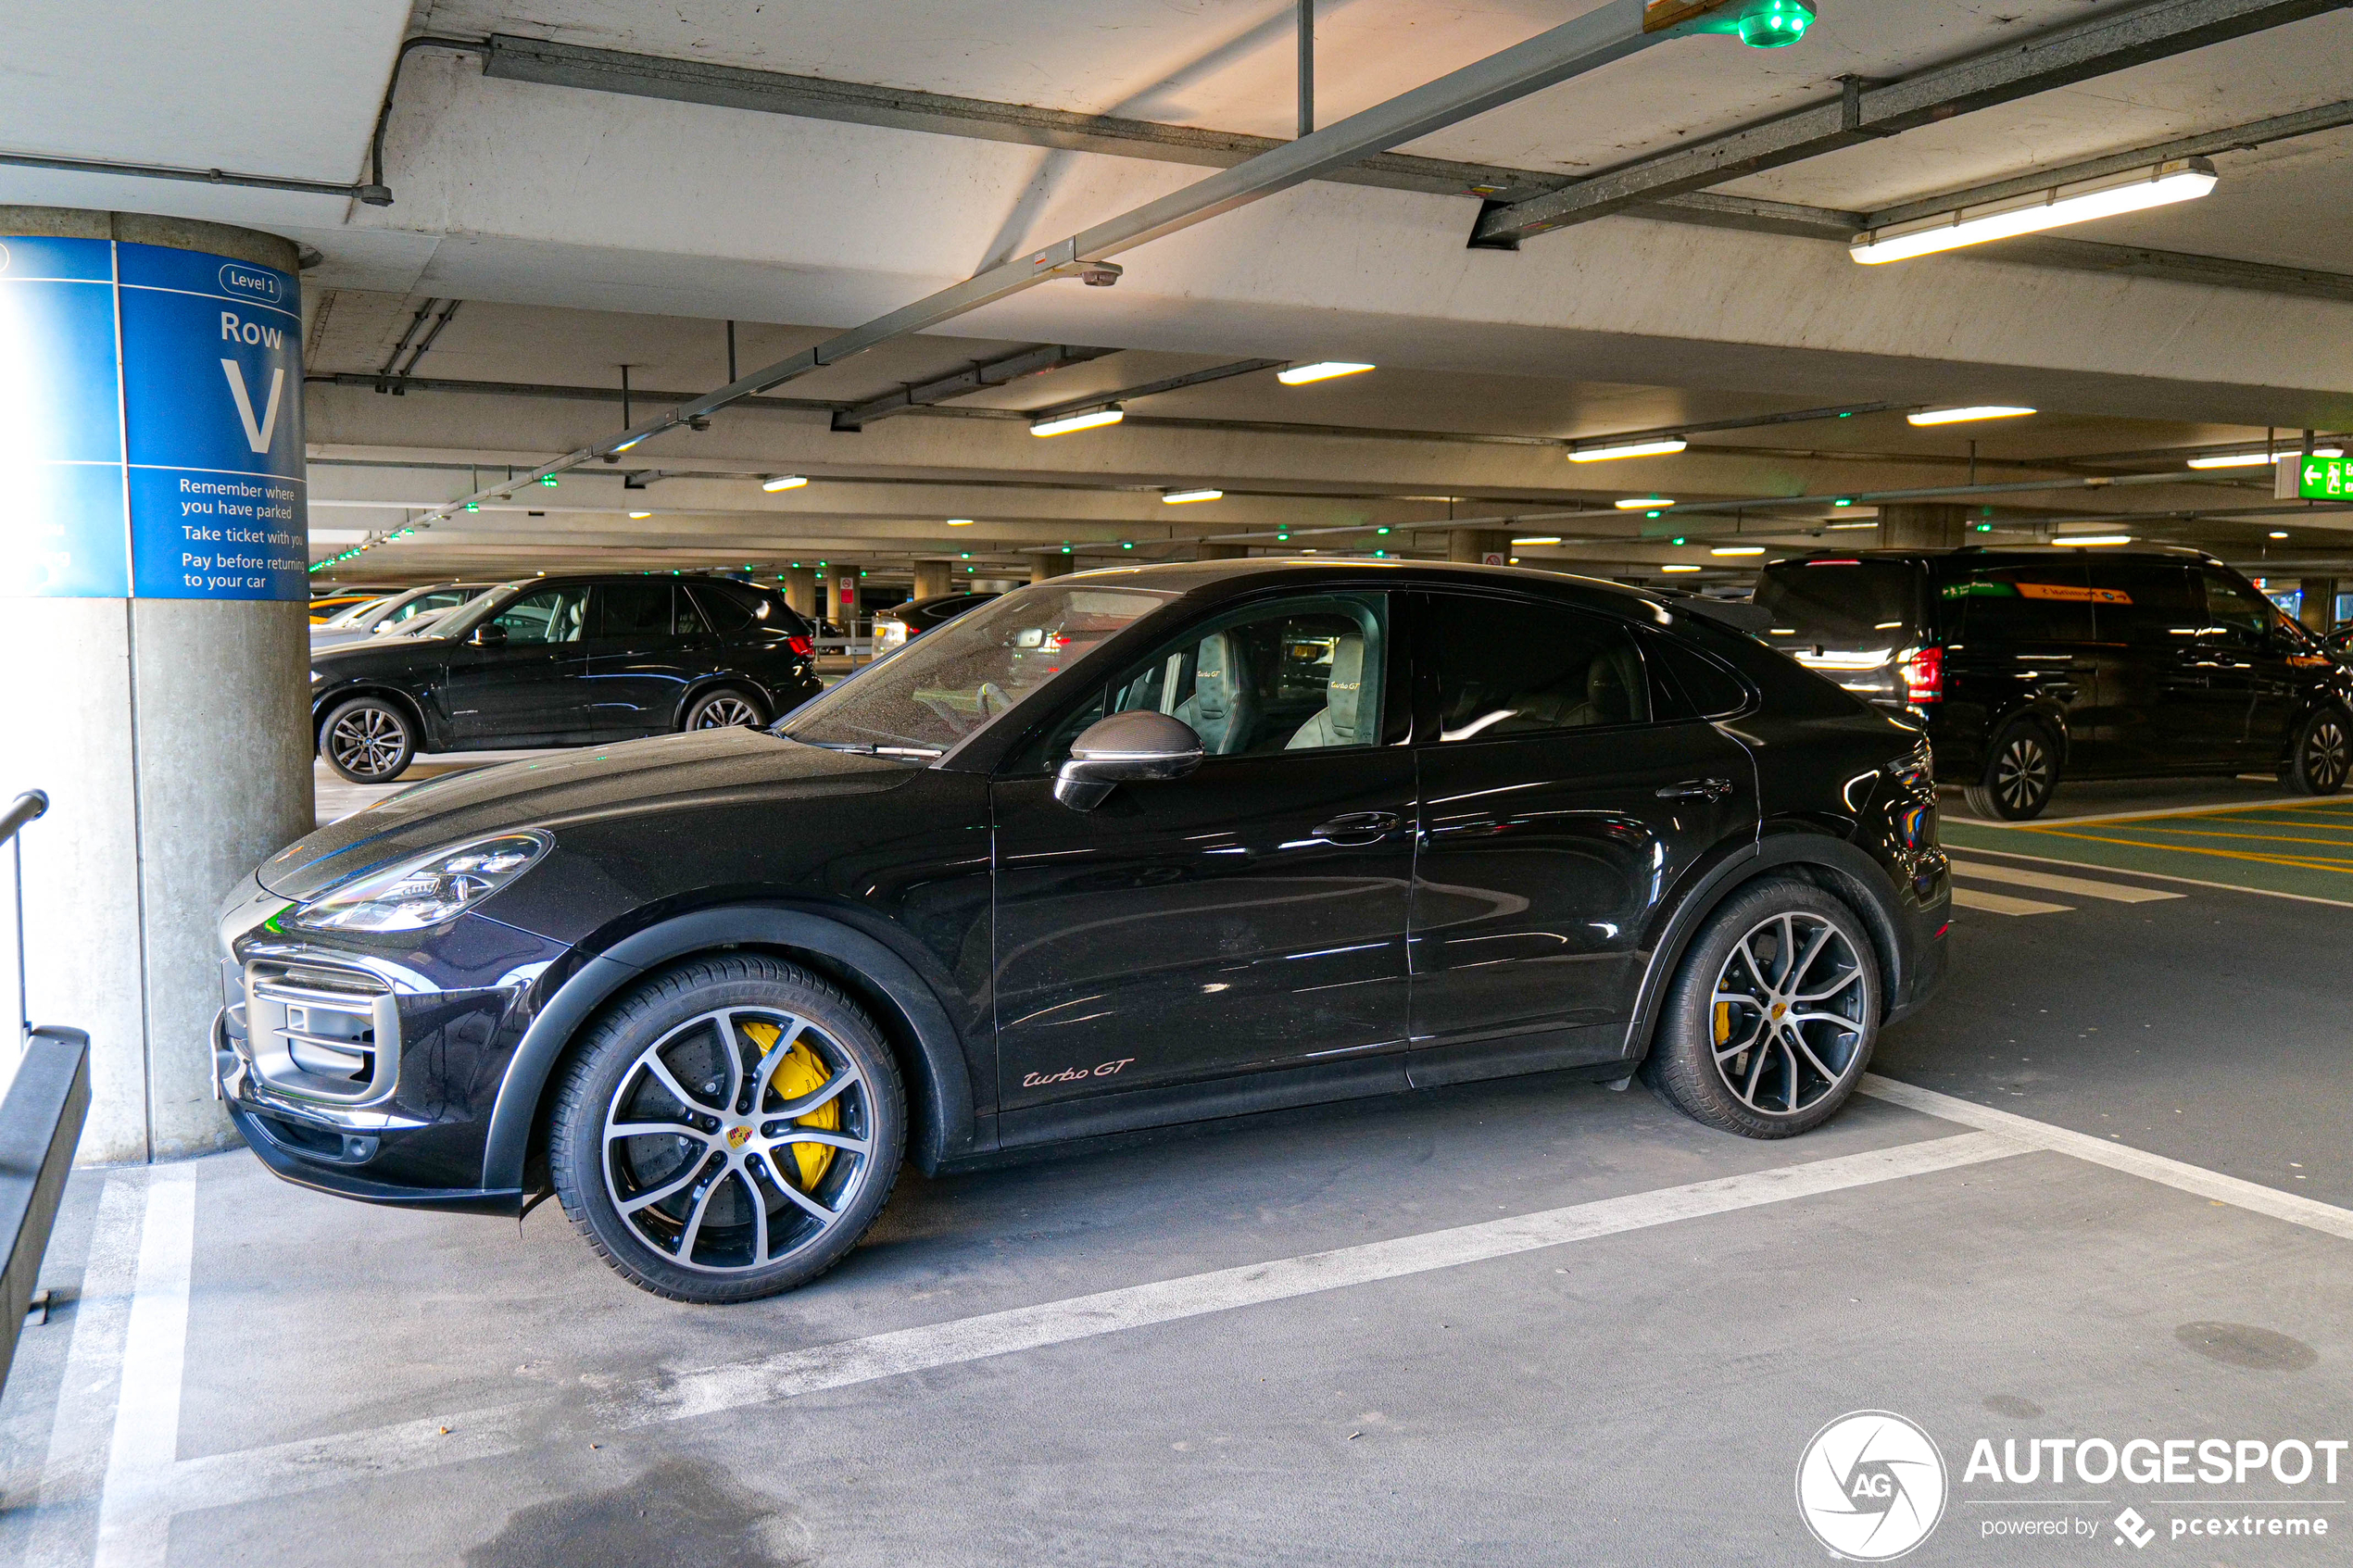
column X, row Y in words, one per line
column 2305, row 847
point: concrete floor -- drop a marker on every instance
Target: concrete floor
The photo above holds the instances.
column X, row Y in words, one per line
column 1307, row 1337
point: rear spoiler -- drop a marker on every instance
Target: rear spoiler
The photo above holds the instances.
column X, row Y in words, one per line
column 1737, row 614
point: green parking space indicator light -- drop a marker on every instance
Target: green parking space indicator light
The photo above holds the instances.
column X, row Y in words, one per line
column 473, row 506
column 1844, row 501
column 1380, row 530
column 1678, row 541
column 1985, row 527
column 549, row 479
column 1065, row 549
column 1760, row 24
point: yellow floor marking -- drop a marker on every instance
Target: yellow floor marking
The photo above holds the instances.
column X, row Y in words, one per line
column 2257, row 837
column 2185, row 849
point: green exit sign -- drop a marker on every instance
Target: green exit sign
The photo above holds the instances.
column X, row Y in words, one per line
column 2324, row 478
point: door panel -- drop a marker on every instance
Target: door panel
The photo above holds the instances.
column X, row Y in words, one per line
column 532, row 686
column 2152, row 689
column 1250, row 916
column 1551, row 833
column 636, row 660
column 2027, row 638
column 2251, row 696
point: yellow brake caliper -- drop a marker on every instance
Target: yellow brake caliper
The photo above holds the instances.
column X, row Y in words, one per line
column 802, row 1074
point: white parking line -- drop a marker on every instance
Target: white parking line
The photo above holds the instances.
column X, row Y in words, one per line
column 2161, row 876
column 133, row 1533
column 288, row 1468
column 2308, row 1212
column 64, row 1523
column 2003, row 904
column 2018, row 876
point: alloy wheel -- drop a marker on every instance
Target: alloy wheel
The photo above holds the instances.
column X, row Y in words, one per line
column 367, row 741
column 723, row 713
column 2022, row 774
column 737, row 1139
column 1789, row 1013
column 2327, row 754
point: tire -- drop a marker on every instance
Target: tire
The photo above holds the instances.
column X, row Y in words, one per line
column 1724, row 1057
column 724, row 708
column 699, row 1212
column 2021, row 773
column 369, row 740
column 2321, row 754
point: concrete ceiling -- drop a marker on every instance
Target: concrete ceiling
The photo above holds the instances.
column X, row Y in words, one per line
column 585, row 231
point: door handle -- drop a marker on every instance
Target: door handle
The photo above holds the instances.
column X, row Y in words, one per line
column 1359, row 827
column 1709, row 790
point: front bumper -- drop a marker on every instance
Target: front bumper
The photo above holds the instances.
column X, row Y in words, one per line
column 368, row 1071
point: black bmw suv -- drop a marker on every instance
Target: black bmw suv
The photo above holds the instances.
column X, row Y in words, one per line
column 2089, row 662
column 1129, row 847
column 561, row 662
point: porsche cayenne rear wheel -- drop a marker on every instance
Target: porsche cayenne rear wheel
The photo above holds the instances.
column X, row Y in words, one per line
column 730, row 1129
column 1771, row 1018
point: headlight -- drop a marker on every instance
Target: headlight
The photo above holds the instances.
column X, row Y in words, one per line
column 426, row 891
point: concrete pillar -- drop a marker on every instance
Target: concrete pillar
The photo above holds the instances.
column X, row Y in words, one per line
column 2319, row 610
column 932, row 579
column 800, row 589
column 841, row 595
column 1208, row 551
column 1923, row 525
column 154, row 623
column 1476, row 545
column 1053, row 564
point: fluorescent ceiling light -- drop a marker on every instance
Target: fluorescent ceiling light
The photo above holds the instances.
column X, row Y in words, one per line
column 2258, row 460
column 2160, row 185
column 1665, row 447
column 1639, row 503
column 1963, row 416
column 1842, row 527
column 1539, row 539
column 1322, row 370
column 1093, row 418
column 2276, row 533
column 1185, row 497
column 640, row 514
column 776, row 481
column 1680, row 567
column 1738, row 550
column 960, row 522
column 2091, row 539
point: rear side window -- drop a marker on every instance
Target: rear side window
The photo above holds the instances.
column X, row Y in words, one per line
column 2241, row 614
column 1512, row 667
column 726, row 612
column 2043, row 602
column 1840, row 604
column 1706, row 688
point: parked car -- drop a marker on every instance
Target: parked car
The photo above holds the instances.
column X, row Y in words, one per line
column 2030, row 666
column 326, row 606
column 1128, row 848
column 394, row 610
column 561, row 662
column 895, row 626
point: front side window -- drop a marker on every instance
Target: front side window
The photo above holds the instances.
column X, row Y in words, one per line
column 2237, row 612
column 1514, row 667
column 1300, row 674
column 426, row 604
column 552, row 615
column 948, row 683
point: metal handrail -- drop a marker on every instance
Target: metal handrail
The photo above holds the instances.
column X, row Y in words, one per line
column 41, row 1120
column 32, row 803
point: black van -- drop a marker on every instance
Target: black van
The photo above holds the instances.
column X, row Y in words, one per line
column 2096, row 663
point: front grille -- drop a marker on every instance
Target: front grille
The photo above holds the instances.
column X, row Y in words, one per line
column 322, row 1031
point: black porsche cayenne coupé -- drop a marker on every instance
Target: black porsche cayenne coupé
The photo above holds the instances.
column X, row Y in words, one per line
column 1124, row 848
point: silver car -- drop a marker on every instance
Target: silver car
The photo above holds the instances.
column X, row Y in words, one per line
column 392, row 613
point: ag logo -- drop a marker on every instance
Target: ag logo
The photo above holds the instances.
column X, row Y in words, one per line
column 1870, row 1485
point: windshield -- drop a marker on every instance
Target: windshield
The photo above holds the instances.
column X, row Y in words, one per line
column 357, row 612
column 951, row 680
column 1842, row 604
column 460, row 619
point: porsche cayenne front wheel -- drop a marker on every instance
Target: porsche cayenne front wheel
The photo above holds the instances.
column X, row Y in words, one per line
column 730, row 1129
